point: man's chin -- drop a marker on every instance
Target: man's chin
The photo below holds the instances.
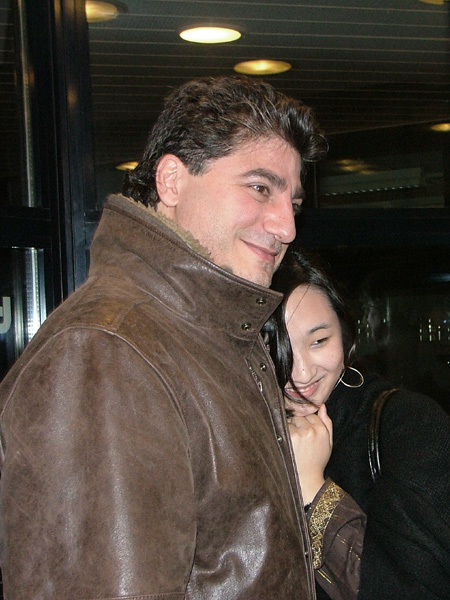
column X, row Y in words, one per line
column 262, row 277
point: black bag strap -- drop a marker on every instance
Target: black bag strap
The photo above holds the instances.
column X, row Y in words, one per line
column 374, row 428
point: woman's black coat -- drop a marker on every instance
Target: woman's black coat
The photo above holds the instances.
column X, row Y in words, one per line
column 407, row 543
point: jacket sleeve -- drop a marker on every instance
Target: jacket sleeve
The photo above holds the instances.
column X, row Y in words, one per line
column 97, row 489
column 337, row 525
column 407, row 545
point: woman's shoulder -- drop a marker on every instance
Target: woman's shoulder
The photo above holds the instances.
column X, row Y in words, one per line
column 413, row 406
column 414, row 441
column 353, row 398
column 405, row 400
column 404, row 409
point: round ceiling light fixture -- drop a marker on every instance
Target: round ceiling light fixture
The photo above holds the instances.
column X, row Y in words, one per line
column 442, row 127
column 98, row 10
column 441, row 2
column 262, row 67
column 351, row 165
column 210, row 34
column 127, row 166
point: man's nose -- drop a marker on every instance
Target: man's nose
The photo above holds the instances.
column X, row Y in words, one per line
column 279, row 219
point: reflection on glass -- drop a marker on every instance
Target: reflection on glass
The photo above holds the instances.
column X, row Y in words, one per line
column 402, row 167
column 401, row 303
column 405, row 336
column 16, row 182
column 403, row 309
column 22, row 306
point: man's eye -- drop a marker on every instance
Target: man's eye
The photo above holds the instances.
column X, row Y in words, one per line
column 261, row 189
column 297, row 208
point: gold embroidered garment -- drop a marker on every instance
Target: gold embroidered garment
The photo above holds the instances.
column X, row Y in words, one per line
column 336, row 526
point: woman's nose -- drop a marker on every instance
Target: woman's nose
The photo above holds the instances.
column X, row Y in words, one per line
column 303, row 369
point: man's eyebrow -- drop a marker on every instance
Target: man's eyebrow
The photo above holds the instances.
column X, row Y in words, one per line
column 275, row 180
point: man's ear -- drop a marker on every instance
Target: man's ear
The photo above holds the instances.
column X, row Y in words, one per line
column 168, row 172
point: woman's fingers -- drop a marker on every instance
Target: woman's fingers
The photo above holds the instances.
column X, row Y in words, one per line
column 316, row 423
column 312, row 448
column 323, row 416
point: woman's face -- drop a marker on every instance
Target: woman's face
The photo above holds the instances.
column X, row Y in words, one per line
column 316, row 340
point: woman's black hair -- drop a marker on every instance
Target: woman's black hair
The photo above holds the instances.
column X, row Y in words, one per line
column 297, row 269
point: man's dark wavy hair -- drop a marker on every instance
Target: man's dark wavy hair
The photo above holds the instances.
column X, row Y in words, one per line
column 298, row 269
column 208, row 118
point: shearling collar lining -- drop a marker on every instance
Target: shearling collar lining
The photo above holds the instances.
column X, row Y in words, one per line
column 183, row 234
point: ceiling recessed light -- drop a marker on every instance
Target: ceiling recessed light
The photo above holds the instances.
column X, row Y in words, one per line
column 434, row 1
column 262, row 67
column 127, row 166
column 350, row 165
column 210, row 34
column 98, row 10
column 441, row 127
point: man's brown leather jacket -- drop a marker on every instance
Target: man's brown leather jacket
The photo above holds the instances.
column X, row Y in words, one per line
column 145, row 449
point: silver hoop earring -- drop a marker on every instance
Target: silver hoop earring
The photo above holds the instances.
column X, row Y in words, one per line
column 350, row 385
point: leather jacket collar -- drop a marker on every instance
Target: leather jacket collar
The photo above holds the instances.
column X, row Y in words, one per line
column 166, row 266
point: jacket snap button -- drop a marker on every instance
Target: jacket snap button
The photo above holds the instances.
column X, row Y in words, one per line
column 260, row 301
column 263, row 367
column 246, row 326
column 279, row 439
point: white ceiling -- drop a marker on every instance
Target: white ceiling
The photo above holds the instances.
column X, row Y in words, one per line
column 362, row 64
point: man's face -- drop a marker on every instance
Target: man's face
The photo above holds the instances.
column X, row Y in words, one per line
column 242, row 208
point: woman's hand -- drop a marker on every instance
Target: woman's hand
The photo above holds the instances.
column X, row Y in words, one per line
column 312, row 441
